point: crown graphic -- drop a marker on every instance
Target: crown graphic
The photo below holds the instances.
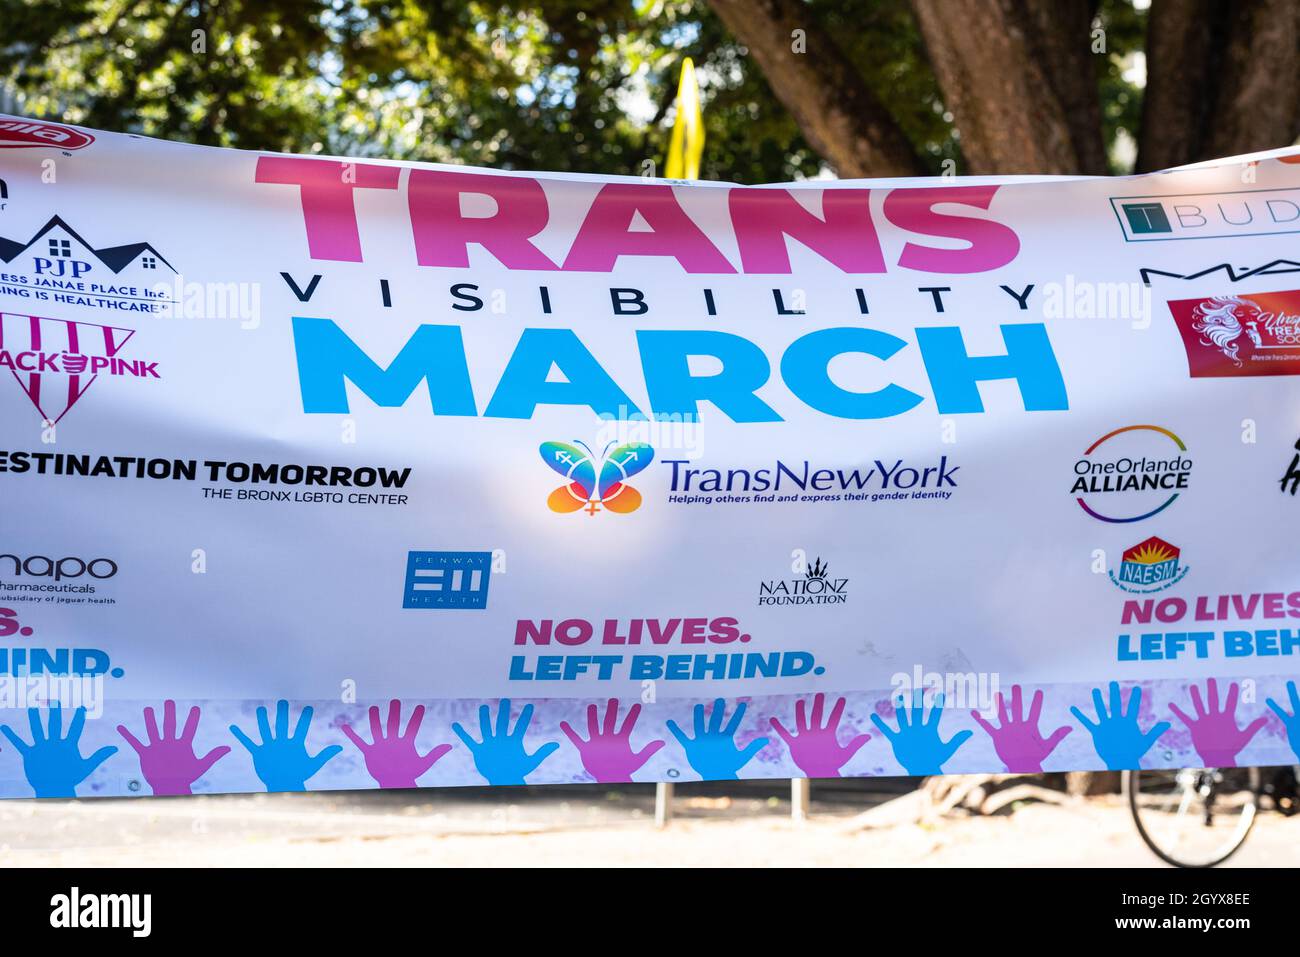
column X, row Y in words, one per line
column 1151, row 552
column 818, row 570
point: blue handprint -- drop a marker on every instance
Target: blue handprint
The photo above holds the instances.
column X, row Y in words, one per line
column 917, row 744
column 501, row 757
column 1290, row 721
column 281, row 760
column 54, row 765
column 1117, row 737
column 713, row 752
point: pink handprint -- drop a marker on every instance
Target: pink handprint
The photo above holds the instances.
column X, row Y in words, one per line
column 815, row 747
column 1215, row 734
column 392, row 758
column 1018, row 742
column 168, row 762
column 607, row 753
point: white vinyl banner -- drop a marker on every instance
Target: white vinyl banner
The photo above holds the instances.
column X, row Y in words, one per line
column 320, row 473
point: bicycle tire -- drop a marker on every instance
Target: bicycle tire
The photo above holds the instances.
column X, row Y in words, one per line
column 1130, row 784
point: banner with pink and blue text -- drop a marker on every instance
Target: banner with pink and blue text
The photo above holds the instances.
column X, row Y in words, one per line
column 323, row 473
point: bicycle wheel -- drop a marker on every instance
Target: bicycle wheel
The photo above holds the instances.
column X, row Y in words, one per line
column 1194, row 817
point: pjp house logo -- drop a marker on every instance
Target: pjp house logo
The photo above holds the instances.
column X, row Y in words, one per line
column 447, row 580
column 57, row 256
column 54, row 360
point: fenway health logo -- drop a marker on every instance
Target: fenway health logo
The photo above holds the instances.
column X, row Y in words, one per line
column 441, row 580
column 56, row 361
column 1240, row 335
column 17, row 134
column 1152, row 565
column 593, row 482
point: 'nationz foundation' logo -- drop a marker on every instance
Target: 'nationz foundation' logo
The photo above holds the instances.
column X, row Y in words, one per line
column 442, row 580
column 1152, row 565
column 816, row 586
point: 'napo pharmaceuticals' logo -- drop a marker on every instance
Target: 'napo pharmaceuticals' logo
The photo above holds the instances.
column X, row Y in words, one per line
column 17, row 134
column 55, row 361
column 816, row 586
column 594, row 482
column 443, row 580
column 1152, row 565
column 1240, row 335
column 1131, row 474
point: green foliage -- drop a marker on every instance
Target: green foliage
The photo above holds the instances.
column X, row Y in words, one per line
column 576, row 85
column 1121, row 100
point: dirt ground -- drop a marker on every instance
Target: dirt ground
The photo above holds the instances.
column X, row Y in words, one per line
column 571, row 826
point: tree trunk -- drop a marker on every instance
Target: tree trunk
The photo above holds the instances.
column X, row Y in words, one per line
column 1063, row 47
column 1180, row 72
column 1020, row 80
column 1090, row 783
column 837, row 113
column 1221, row 80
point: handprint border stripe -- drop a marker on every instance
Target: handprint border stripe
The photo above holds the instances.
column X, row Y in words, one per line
column 156, row 747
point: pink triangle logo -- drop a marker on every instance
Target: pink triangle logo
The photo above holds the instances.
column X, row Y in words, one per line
column 55, row 361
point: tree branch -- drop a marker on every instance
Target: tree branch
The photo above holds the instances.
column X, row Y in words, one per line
column 838, row 115
column 1019, row 79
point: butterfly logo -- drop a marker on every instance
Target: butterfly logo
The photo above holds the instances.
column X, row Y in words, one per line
column 595, row 481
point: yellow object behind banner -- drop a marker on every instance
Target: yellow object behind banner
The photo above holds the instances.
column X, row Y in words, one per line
column 687, row 143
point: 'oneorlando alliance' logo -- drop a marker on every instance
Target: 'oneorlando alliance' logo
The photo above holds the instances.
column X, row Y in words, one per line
column 1152, row 565
column 1131, row 474
column 814, row 587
